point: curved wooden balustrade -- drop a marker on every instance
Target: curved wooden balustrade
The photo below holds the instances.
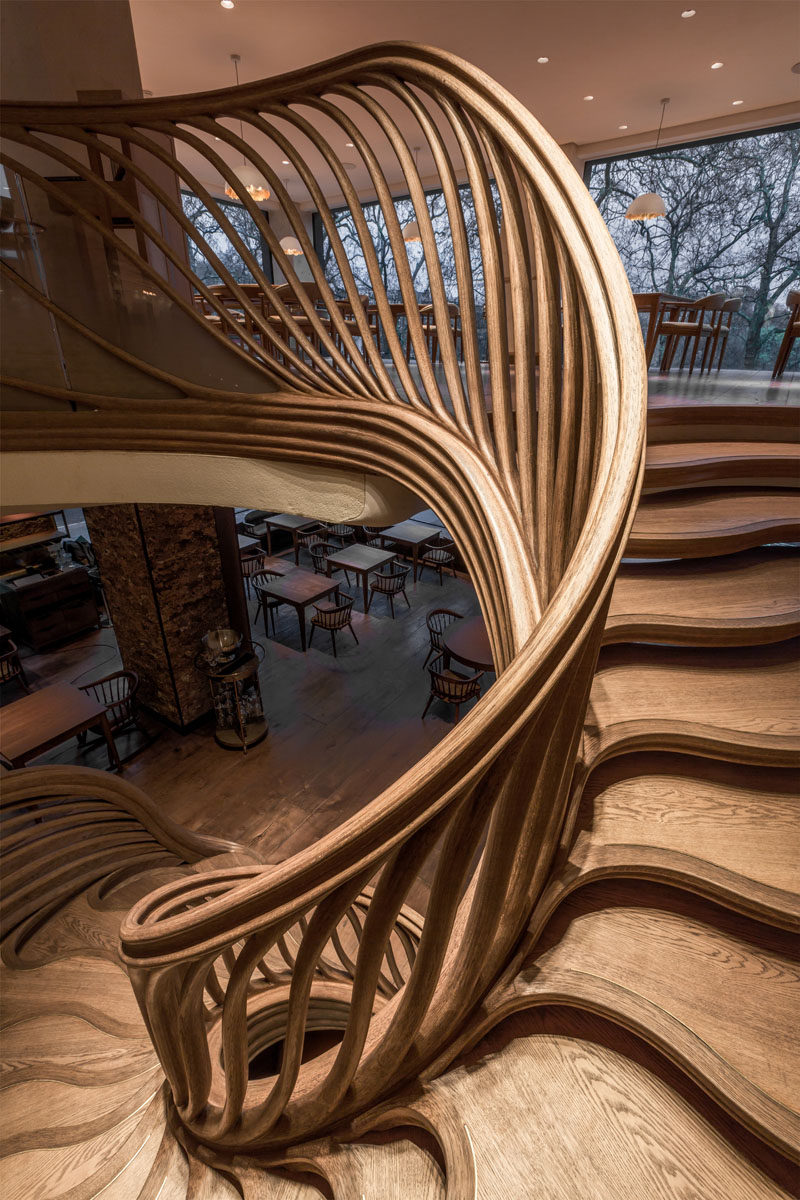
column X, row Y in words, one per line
column 537, row 487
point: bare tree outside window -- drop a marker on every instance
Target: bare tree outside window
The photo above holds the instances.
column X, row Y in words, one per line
column 376, row 225
column 207, row 226
column 732, row 225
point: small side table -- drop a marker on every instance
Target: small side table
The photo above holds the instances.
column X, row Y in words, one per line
column 236, row 694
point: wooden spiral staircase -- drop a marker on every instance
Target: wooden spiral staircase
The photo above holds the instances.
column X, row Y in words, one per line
column 599, row 1001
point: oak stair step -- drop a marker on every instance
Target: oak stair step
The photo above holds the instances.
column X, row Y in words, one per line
column 697, row 523
column 741, row 705
column 742, row 599
column 721, row 464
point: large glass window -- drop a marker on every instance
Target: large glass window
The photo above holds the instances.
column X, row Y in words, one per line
column 376, row 225
column 732, row 225
column 207, row 225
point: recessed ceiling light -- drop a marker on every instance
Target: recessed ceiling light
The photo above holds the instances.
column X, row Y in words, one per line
column 286, row 162
column 688, row 12
column 226, row 3
column 735, row 102
column 348, row 166
column 622, row 126
column 349, row 145
column 796, row 68
column 588, row 97
column 716, row 66
column 216, row 139
column 543, row 60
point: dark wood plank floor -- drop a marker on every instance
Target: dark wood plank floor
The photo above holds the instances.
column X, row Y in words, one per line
column 341, row 729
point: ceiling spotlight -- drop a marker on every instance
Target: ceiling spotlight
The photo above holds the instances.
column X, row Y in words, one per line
column 588, row 97
column 349, row 145
column 543, row 60
column 735, row 102
column 622, row 126
column 688, row 12
column 348, row 166
column 716, row 66
column 226, row 3
column 796, row 68
column 286, row 162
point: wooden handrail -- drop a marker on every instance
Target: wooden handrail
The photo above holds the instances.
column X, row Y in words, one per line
column 539, row 501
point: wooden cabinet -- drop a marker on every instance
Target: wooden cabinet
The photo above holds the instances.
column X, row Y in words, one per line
column 43, row 610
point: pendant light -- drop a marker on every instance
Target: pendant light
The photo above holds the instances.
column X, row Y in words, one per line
column 247, row 174
column 649, row 204
column 291, row 246
column 411, row 231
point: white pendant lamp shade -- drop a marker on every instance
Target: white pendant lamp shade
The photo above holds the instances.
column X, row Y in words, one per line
column 645, row 207
column 291, row 246
column 649, row 204
column 411, row 232
column 251, row 180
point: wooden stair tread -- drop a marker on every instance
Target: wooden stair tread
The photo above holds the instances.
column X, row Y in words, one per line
column 698, row 421
column 92, row 988
column 740, row 599
column 561, row 1107
column 68, row 1049
column 681, row 964
column 740, row 818
column 666, row 698
column 697, row 523
column 703, row 463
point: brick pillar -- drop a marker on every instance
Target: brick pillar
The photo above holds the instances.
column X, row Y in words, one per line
column 170, row 575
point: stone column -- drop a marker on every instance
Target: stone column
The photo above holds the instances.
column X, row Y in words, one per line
column 170, row 574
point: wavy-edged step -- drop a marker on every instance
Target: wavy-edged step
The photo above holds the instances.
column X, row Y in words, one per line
column 740, row 599
column 721, row 830
column 701, row 522
column 742, row 705
column 733, row 464
column 716, row 992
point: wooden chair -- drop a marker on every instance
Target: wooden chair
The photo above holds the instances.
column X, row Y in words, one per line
column 319, row 557
column 117, row 692
column 269, row 606
column 390, row 583
column 790, row 336
column 695, row 321
column 308, row 537
column 251, row 566
column 253, row 522
column 10, row 665
column 451, row 686
column 333, row 617
column 344, row 533
column 437, row 621
column 723, row 328
column 439, row 556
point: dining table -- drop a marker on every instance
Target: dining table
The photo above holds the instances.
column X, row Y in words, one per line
column 47, row 717
column 468, row 642
column 412, row 534
column 298, row 588
column 289, row 523
column 654, row 305
column 360, row 560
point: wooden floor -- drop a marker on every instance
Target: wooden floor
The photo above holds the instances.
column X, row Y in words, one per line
column 340, row 729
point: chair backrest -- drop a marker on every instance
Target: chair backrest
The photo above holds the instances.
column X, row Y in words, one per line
column 341, row 531
column 452, row 688
column 319, row 555
column 336, row 617
column 115, row 691
column 262, row 578
column 793, row 300
column 437, row 621
column 314, row 534
column 713, row 303
column 391, row 581
column 9, row 662
column 253, row 564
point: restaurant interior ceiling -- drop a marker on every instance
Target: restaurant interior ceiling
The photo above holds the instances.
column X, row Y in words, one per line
column 625, row 54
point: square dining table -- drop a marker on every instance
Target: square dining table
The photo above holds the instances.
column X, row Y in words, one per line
column 409, row 533
column 291, row 524
column 47, row 717
column 299, row 588
column 361, row 560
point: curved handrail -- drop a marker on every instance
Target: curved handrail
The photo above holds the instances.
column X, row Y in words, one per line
column 537, row 487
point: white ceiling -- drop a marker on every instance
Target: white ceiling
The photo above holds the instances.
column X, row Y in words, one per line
column 628, row 54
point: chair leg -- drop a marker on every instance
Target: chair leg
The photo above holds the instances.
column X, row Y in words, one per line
column 431, row 651
column 333, row 641
column 311, row 635
column 369, row 601
column 391, row 605
column 350, row 627
column 427, row 706
column 694, row 352
column 458, row 714
column 405, row 597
